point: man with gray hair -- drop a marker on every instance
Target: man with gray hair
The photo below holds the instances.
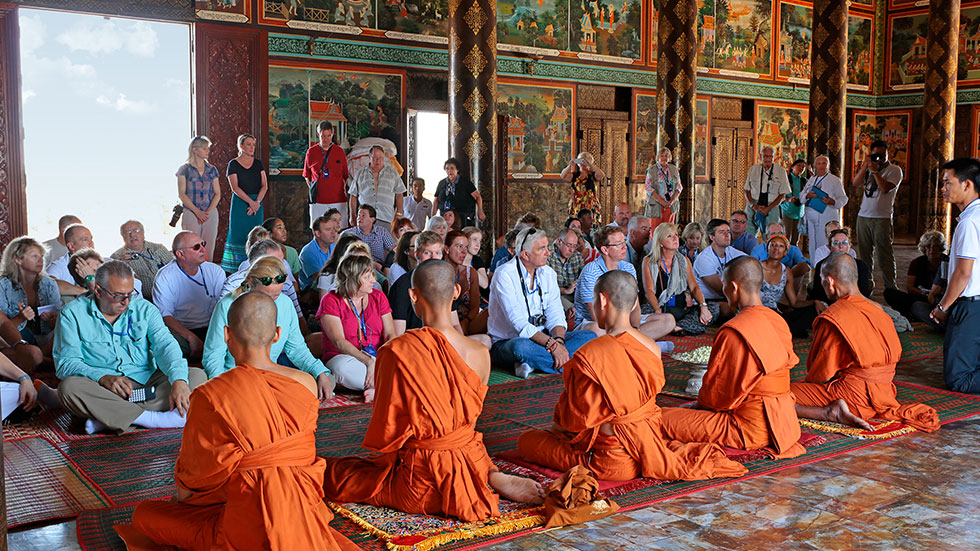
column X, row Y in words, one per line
column 145, row 258
column 265, row 247
column 377, row 184
column 526, row 319
column 765, row 187
column 638, row 236
column 567, row 262
column 118, row 363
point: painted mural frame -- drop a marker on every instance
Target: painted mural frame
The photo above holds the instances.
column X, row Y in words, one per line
column 917, row 81
column 800, row 72
column 228, row 11
column 601, row 41
column 862, row 59
column 551, row 170
column 374, row 116
column 653, row 28
column 975, row 147
column 644, row 138
column 322, row 19
column 506, row 28
column 739, row 52
column 702, row 138
column 860, row 143
column 766, row 136
column 907, row 4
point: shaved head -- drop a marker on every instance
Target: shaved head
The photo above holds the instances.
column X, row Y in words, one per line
column 746, row 271
column 252, row 319
column 620, row 287
column 842, row 268
column 434, row 280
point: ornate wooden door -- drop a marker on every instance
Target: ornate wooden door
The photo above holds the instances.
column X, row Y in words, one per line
column 615, row 163
column 732, row 157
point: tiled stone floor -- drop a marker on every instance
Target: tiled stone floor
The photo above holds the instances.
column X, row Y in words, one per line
column 916, row 492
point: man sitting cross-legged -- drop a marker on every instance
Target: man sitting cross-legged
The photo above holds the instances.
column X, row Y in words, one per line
column 431, row 383
column 745, row 401
column 247, row 475
column 852, row 360
column 607, row 417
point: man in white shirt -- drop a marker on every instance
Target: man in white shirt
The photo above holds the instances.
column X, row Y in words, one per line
column 709, row 267
column 526, row 320
column 55, row 248
column 418, row 208
column 186, row 291
column 822, row 187
column 879, row 180
column 960, row 306
column 765, row 187
column 77, row 237
column 378, row 185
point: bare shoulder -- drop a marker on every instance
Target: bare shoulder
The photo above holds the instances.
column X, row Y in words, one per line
column 300, row 377
column 473, row 353
column 646, row 341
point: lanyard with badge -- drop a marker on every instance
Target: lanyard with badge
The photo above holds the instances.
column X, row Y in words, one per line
column 764, row 195
column 362, row 329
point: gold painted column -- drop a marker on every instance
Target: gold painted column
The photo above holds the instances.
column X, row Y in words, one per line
column 676, row 87
column 473, row 93
column 828, row 84
column 938, row 111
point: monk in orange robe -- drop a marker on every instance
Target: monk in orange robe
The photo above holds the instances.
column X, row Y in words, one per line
column 430, row 386
column 247, row 475
column 852, row 361
column 745, row 401
column 607, row 417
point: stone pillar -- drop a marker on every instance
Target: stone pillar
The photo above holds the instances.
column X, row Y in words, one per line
column 938, row 111
column 473, row 94
column 828, row 84
column 13, row 201
column 676, row 86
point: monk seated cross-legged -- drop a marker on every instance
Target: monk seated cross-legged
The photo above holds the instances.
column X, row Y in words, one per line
column 852, row 361
column 745, row 400
column 607, row 417
column 431, row 383
column 247, row 474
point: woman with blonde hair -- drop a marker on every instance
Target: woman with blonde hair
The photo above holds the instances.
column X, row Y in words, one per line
column 356, row 321
column 199, row 193
column 267, row 276
column 692, row 240
column 668, row 279
column 28, row 296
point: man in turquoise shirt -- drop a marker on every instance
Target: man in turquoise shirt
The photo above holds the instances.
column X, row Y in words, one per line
column 111, row 344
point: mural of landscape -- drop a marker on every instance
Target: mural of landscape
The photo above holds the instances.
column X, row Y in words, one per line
column 540, row 126
column 892, row 127
column 234, row 10
column 735, row 35
column 606, row 28
column 907, row 57
column 784, row 127
column 795, row 35
column 645, row 130
column 427, row 17
column 859, row 50
column 701, row 155
column 537, row 23
column 353, row 13
column 359, row 104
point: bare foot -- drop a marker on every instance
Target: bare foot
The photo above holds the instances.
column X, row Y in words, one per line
column 517, row 488
column 368, row 395
column 839, row 413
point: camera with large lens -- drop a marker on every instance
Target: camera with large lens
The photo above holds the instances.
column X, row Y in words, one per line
column 876, row 157
column 178, row 210
column 537, row 320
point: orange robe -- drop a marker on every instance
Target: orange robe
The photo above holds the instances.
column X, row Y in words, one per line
column 433, row 461
column 248, row 457
column 855, row 349
column 615, row 380
column 745, row 390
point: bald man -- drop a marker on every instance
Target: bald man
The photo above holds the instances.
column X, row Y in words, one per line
column 247, row 474
column 852, row 360
column 431, row 383
column 607, row 418
column 745, row 400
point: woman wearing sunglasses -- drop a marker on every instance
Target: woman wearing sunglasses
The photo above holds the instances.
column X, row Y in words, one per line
column 266, row 276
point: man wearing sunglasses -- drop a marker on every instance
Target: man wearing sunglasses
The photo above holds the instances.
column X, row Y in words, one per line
column 109, row 344
column 840, row 242
column 186, row 291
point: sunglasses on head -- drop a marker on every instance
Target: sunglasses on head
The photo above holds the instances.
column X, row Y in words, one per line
column 266, row 281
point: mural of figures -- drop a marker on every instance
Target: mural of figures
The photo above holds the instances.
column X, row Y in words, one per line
column 645, row 130
column 428, row 17
column 860, row 39
column 606, row 27
column 907, row 50
column 795, row 36
column 735, row 35
column 359, row 104
column 537, row 23
column 891, row 126
column 236, row 11
column 540, row 128
column 351, row 13
column 969, row 46
column 654, row 30
column 784, row 127
column 702, row 110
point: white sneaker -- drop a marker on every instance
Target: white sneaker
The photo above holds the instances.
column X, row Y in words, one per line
column 523, row 370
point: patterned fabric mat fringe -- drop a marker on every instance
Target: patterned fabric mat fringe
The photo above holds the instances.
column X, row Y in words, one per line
column 883, row 429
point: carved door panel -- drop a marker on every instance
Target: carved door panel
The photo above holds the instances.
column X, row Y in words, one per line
column 723, row 149
column 412, row 159
column 615, row 163
column 590, row 139
column 742, row 162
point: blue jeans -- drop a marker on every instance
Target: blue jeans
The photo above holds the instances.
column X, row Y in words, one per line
column 961, row 349
column 507, row 353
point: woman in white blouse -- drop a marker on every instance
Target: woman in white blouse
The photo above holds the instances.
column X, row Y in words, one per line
column 833, row 196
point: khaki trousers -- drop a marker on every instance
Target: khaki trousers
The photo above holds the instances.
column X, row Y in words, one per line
column 90, row 400
column 874, row 240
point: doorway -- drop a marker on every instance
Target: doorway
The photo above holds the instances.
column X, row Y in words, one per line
column 428, row 148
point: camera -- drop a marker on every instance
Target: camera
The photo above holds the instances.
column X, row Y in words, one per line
column 178, row 210
column 537, row 320
column 876, row 157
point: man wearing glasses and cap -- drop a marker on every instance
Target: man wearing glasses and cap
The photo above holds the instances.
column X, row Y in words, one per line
column 186, row 291
column 119, row 365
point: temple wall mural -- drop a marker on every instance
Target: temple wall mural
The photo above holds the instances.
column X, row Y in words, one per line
column 540, row 127
column 644, row 131
column 784, row 127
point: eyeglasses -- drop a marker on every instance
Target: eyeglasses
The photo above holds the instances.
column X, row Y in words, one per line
column 266, row 281
column 569, row 245
column 197, row 247
column 116, row 297
column 136, row 231
column 839, row 243
column 620, row 244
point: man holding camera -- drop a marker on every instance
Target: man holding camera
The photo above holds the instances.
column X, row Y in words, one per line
column 880, row 180
column 527, row 321
column 765, row 187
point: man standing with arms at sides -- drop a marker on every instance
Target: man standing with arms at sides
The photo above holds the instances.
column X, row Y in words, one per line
column 418, row 209
column 378, row 185
column 765, row 187
column 880, row 180
column 325, row 168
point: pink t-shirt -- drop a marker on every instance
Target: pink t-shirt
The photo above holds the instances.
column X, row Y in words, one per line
column 333, row 305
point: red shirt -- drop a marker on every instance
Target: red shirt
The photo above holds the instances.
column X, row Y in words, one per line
column 332, row 188
column 333, row 305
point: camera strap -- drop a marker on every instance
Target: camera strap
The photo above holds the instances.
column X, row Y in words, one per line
column 525, row 291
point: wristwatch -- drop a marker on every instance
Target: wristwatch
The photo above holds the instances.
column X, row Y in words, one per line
column 939, row 306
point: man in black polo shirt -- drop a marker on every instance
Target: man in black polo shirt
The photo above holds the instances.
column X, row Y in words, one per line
column 457, row 193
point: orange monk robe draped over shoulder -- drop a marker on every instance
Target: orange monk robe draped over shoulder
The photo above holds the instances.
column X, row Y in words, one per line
column 855, row 349
column 747, row 388
column 615, row 380
column 433, row 460
column 248, row 457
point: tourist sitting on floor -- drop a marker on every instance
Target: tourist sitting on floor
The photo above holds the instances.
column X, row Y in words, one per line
column 922, row 310
column 55, row 248
column 82, row 266
column 266, row 275
column 670, row 284
column 356, row 321
column 376, row 235
column 824, row 251
column 710, row 265
column 247, row 474
column 326, row 279
column 316, row 253
column 144, row 257
column 278, row 233
column 607, row 417
column 110, row 344
column 399, row 227
column 438, row 224
column 921, row 275
column 358, row 248
column 745, row 401
column 24, row 355
column 472, row 319
column 404, row 257
column 526, row 320
column 186, row 291
column 779, row 290
column 26, row 391
column 431, row 384
column 692, row 241
column 28, row 296
column 741, row 238
column 840, row 242
column 505, row 253
column 473, row 258
column 265, row 247
column 798, row 264
column 77, row 237
column 567, row 263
